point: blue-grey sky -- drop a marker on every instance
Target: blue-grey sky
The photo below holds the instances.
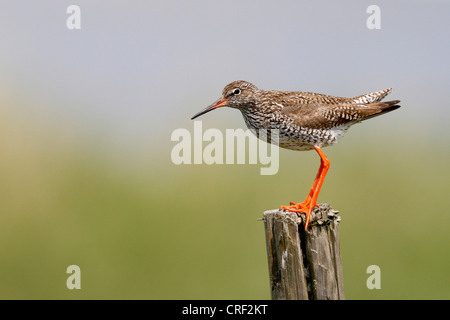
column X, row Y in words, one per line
column 138, row 69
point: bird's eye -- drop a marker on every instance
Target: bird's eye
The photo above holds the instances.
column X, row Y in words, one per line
column 236, row 91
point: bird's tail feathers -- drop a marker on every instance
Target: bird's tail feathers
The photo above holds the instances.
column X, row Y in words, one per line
column 378, row 108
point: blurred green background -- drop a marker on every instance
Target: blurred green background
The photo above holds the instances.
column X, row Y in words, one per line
column 85, row 123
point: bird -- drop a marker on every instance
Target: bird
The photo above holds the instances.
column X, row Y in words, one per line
column 304, row 120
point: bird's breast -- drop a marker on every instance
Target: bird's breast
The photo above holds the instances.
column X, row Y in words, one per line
column 290, row 135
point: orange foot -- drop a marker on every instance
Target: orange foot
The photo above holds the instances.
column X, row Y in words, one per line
column 299, row 207
column 305, row 206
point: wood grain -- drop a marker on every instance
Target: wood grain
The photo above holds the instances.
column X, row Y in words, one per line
column 304, row 265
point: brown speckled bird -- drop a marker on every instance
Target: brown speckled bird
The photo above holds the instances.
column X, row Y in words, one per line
column 305, row 121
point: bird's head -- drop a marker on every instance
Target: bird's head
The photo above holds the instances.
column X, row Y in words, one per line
column 238, row 94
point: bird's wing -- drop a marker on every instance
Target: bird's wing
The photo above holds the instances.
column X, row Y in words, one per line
column 319, row 115
column 346, row 113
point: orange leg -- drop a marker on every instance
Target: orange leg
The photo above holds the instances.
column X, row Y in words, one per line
column 311, row 201
column 298, row 207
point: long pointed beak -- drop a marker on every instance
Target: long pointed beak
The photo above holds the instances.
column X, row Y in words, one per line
column 219, row 103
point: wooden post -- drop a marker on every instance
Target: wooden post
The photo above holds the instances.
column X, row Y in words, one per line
column 304, row 265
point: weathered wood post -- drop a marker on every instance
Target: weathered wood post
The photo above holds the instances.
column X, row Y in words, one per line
column 304, row 265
